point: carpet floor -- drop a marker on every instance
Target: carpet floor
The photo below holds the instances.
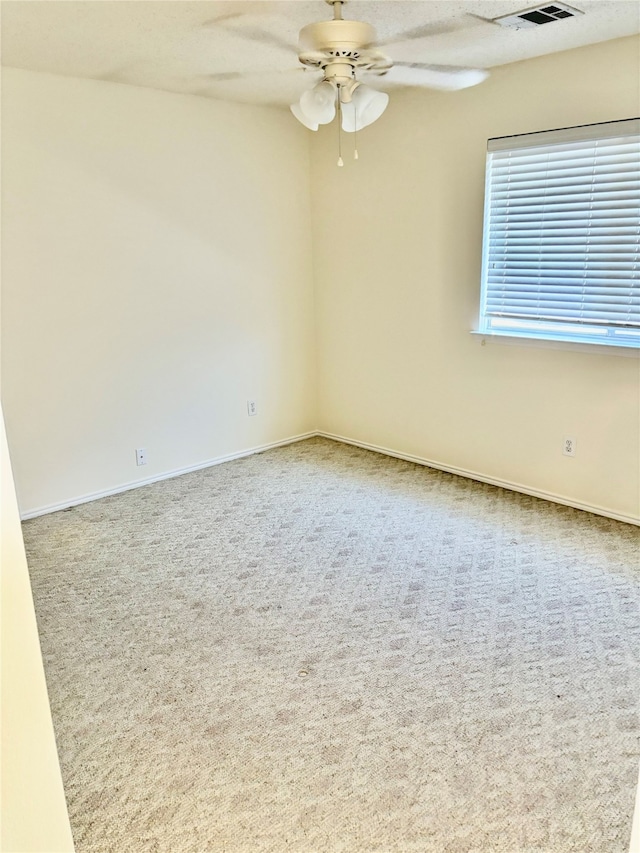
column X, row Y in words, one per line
column 320, row 649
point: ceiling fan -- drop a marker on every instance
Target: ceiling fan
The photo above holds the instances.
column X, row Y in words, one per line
column 346, row 52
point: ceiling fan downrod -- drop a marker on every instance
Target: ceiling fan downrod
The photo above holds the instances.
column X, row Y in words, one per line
column 337, row 8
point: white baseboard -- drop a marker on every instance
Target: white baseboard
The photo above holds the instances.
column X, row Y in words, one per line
column 386, row 451
column 482, row 478
column 167, row 475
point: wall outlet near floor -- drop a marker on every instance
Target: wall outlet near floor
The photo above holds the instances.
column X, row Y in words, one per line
column 569, row 446
column 252, row 408
column 141, row 456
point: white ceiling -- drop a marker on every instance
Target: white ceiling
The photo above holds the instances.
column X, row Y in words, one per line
column 245, row 50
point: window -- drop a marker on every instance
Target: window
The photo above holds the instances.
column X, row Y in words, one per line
column 561, row 256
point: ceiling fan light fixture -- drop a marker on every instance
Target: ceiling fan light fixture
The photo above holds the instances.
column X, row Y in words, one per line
column 318, row 105
column 365, row 107
column 302, row 118
column 346, row 91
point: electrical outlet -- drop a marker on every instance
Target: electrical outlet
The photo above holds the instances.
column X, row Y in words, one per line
column 141, row 456
column 252, row 409
column 569, row 446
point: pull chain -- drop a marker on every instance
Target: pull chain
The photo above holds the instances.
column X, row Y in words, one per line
column 355, row 137
column 340, row 160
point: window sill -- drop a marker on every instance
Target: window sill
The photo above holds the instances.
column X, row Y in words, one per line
column 539, row 342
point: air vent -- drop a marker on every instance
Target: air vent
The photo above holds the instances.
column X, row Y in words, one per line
column 537, row 16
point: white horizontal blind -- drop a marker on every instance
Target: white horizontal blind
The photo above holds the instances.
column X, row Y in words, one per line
column 562, row 234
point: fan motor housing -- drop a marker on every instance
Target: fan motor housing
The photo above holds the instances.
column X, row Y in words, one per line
column 339, row 37
column 339, row 42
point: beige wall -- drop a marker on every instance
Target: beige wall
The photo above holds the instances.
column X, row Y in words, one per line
column 157, row 274
column 398, row 278
column 34, row 814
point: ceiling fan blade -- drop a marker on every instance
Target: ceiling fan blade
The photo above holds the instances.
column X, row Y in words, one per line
column 265, row 37
column 237, row 23
column 436, row 28
column 445, row 77
column 225, row 76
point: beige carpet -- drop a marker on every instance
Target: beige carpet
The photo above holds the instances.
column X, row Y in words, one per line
column 320, row 649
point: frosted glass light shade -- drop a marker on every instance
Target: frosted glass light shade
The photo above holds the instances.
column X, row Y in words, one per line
column 365, row 107
column 319, row 104
column 302, row 118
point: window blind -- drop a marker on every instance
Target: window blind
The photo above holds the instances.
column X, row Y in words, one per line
column 561, row 251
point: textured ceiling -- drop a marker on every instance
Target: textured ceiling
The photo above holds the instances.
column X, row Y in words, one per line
column 246, row 51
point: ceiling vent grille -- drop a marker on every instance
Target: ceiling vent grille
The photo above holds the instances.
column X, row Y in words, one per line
column 537, row 16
